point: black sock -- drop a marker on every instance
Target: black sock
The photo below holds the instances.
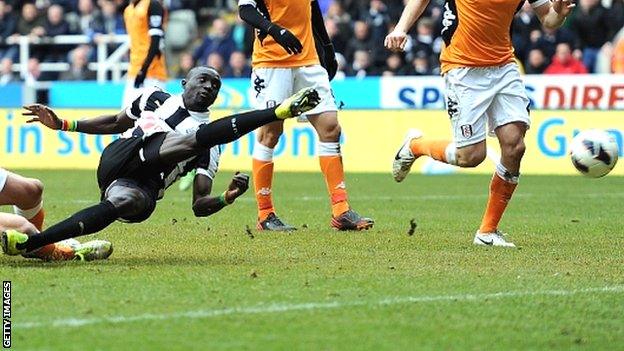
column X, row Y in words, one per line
column 228, row 129
column 88, row 221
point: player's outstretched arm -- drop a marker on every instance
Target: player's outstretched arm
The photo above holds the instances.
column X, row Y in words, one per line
column 553, row 13
column 397, row 39
column 249, row 13
column 107, row 124
column 205, row 205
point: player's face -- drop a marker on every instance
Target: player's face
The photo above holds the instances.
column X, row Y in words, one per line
column 202, row 87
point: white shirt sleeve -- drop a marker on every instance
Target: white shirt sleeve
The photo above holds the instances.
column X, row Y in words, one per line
column 213, row 166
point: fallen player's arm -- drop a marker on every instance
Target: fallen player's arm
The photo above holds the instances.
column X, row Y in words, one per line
column 106, row 124
column 553, row 13
column 205, row 205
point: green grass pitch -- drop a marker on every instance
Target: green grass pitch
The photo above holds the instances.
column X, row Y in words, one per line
column 180, row 283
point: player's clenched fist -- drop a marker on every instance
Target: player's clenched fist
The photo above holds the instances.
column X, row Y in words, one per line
column 396, row 40
column 44, row 115
column 238, row 185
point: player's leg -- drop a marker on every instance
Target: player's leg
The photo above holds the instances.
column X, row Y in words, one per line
column 466, row 103
column 12, row 221
column 506, row 176
column 25, row 194
column 272, row 85
column 509, row 120
column 324, row 119
column 177, row 147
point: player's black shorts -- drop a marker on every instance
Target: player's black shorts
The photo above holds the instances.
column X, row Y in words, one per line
column 134, row 162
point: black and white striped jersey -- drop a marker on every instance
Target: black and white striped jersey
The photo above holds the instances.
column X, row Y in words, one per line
column 158, row 111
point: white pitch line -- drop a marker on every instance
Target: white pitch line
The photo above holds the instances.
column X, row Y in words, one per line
column 310, row 306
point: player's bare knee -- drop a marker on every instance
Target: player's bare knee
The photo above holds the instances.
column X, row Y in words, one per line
column 515, row 150
column 330, row 132
column 32, row 192
column 269, row 138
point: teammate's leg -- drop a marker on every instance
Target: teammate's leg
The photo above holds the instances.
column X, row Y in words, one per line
column 262, row 168
column 272, row 85
column 25, row 194
column 505, row 179
column 15, row 222
column 330, row 160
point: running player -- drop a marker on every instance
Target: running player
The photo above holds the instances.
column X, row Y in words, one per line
column 290, row 37
column 483, row 85
column 166, row 143
column 144, row 20
column 25, row 194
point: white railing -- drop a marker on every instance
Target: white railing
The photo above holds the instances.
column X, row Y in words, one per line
column 104, row 64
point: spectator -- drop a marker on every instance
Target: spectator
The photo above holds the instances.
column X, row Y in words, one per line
column 30, row 23
column 6, row 72
column 616, row 15
column 33, row 73
column 395, row 65
column 591, row 24
column 523, row 24
column 338, row 38
column 186, row 63
column 548, row 39
column 564, row 63
column 216, row 61
column 109, row 21
column 424, row 43
column 243, row 36
column 421, row 65
column 86, row 20
column 536, row 62
column 377, row 19
column 238, row 67
column 8, row 25
column 360, row 40
column 79, row 61
column 362, row 65
column 217, row 41
column 55, row 25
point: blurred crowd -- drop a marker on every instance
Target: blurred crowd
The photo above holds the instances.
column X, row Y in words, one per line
column 591, row 41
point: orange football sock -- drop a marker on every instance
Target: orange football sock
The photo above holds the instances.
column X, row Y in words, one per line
column 435, row 149
column 37, row 220
column 500, row 194
column 263, row 180
column 332, row 169
column 49, row 251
